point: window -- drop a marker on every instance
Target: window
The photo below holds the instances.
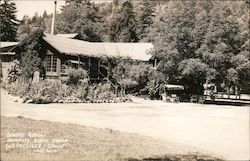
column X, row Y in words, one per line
column 51, row 63
column 64, row 68
column 7, row 58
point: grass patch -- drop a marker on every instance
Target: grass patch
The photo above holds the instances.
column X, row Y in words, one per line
column 86, row 143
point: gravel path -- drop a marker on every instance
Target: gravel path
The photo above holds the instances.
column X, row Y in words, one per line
column 219, row 130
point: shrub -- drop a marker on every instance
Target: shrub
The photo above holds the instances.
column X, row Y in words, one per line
column 17, row 88
column 53, row 91
column 31, row 54
column 75, row 75
column 80, row 91
column 133, row 76
column 31, row 62
column 14, row 71
column 103, row 91
column 128, row 84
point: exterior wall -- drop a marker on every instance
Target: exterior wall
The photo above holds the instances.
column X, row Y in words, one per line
column 5, row 60
column 4, row 69
column 57, row 66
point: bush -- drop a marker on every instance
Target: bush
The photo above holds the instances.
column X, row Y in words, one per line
column 16, row 88
column 14, row 71
column 47, row 91
column 132, row 76
column 53, row 91
column 31, row 62
column 128, row 84
column 78, row 92
column 103, row 91
column 75, row 75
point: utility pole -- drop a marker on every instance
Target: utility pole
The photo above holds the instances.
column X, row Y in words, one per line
column 53, row 20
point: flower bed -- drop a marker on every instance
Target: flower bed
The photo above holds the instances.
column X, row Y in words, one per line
column 53, row 91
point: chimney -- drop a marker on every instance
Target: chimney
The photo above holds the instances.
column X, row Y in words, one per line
column 53, row 20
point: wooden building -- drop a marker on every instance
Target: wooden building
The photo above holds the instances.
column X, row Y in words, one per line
column 6, row 56
column 63, row 52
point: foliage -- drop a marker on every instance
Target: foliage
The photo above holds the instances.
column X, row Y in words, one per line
column 14, row 71
column 30, row 24
column 76, row 75
column 18, row 87
column 241, row 65
column 193, row 75
column 79, row 17
column 32, row 54
column 145, row 18
column 30, row 63
column 54, row 91
column 123, row 26
column 214, row 35
column 103, row 91
column 232, row 77
column 155, row 83
column 132, row 76
column 8, row 21
column 46, row 92
column 204, row 40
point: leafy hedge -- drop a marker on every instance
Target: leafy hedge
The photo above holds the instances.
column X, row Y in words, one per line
column 76, row 75
column 133, row 76
column 53, row 91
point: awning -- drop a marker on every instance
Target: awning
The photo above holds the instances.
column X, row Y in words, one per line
column 7, row 53
column 7, row 44
column 75, row 62
column 70, row 36
column 174, row 87
column 208, row 85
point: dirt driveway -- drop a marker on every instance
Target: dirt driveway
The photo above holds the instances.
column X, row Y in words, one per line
column 221, row 130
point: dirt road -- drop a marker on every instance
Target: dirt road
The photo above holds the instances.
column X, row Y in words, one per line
column 221, row 130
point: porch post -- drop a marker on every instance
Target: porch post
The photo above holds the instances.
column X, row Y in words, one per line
column 155, row 63
column 89, row 68
column 98, row 68
column 58, row 66
column 108, row 70
column 78, row 62
column 89, row 64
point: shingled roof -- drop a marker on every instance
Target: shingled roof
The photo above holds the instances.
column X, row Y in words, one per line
column 74, row 47
column 137, row 51
column 70, row 36
column 6, row 46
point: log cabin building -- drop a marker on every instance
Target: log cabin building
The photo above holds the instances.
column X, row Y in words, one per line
column 64, row 52
column 6, row 56
column 61, row 52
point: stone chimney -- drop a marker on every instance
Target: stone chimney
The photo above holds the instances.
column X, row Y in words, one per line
column 53, row 20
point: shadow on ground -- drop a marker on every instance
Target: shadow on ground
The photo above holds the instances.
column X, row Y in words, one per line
column 189, row 157
column 228, row 102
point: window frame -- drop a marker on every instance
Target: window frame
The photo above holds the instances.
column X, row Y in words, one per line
column 52, row 64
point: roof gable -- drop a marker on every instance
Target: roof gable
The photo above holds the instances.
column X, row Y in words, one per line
column 137, row 51
column 70, row 36
column 6, row 46
column 74, row 47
